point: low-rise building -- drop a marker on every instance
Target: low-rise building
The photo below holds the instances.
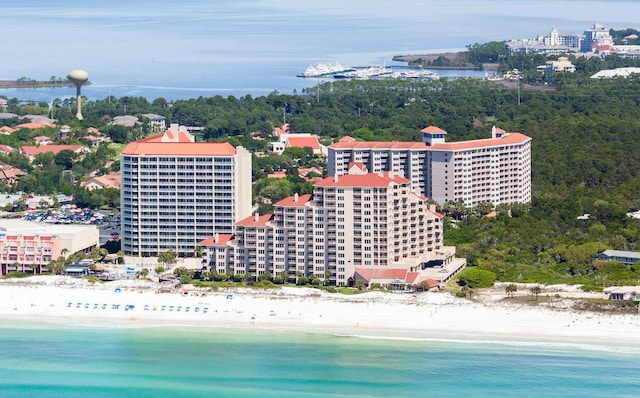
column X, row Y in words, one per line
column 111, row 180
column 157, row 123
column 301, row 140
column 32, row 151
column 25, row 244
column 562, row 64
column 622, row 292
column 623, row 256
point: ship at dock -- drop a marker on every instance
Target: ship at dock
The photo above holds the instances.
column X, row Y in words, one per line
column 325, row 70
column 366, row 73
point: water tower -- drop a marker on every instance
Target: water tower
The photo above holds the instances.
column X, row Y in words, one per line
column 78, row 77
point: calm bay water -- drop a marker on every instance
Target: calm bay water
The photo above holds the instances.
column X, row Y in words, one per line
column 191, row 48
column 49, row 360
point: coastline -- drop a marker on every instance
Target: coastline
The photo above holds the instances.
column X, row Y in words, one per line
column 65, row 301
column 33, row 84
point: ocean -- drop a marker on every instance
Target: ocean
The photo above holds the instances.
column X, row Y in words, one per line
column 191, row 48
column 39, row 359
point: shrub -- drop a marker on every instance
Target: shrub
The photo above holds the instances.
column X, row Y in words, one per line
column 475, row 277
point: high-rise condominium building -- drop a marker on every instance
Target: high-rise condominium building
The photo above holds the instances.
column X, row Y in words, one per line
column 496, row 170
column 355, row 221
column 176, row 192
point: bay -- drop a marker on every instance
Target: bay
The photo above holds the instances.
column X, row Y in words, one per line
column 192, row 48
column 53, row 359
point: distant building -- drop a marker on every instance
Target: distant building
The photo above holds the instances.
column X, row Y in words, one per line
column 42, row 140
column 596, row 36
column 32, row 151
column 298, row 141
column 618, row 72
column 561, row 65
column 100, row 182
column 9, row 174
column 5, row 116
column 6, row 130
column 35, row 125
column 126, row 121
column 623, row 256
column 553, row 43
column 6, row 149
column 157, row 123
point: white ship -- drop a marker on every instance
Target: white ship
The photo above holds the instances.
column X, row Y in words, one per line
column 416, row 74
column 368, row 73
column 325, row 70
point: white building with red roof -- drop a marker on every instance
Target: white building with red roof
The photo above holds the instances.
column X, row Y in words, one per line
column 176, row 192
column 496, row 169
column 301, row 140
column 350, row 222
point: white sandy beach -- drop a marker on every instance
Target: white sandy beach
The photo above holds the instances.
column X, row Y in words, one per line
column 76, row 301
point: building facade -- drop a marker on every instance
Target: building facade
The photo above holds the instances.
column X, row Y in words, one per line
column 496, row 170
column 27, row 253
column 596, row 36
column 30, row 246
column 358, row 220
column 176, row 192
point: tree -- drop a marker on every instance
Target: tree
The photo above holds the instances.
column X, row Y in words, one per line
column 535, row 291
column 65, row 159
column 168, row 258
column 510, row 289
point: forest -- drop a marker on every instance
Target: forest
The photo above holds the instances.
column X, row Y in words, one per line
column 585, row 156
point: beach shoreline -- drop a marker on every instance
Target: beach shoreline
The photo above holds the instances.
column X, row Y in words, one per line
column 69, row 302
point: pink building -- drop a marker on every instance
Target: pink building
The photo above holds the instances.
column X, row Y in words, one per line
column 28, row 253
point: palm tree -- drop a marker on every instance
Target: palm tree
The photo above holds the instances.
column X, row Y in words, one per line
column 510, row 289
column 535, row 291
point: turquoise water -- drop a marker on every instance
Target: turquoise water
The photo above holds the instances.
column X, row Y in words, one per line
column 47, row 360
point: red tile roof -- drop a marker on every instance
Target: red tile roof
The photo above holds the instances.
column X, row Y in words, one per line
column 509, row 139
column 362, row 180
column 222, row 240
column 6, row 148
column 291, row 201
column 433, row 130
column 37, row 125
column 31, row 150
column 7, row 129
column 277, row 174
column 370, row 274
column 301, row 142
column 411, row 277
column 346, row 138
column 151, row 148
column 252, row 222
column 378, row 145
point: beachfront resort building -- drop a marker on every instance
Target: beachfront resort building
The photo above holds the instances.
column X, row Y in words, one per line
column 29, row 246
column 176, row 192
column 495, row 170
column 351, row 222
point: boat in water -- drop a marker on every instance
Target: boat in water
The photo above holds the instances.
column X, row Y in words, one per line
column 416, row 74
column 367, row 73
column 325, row 70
